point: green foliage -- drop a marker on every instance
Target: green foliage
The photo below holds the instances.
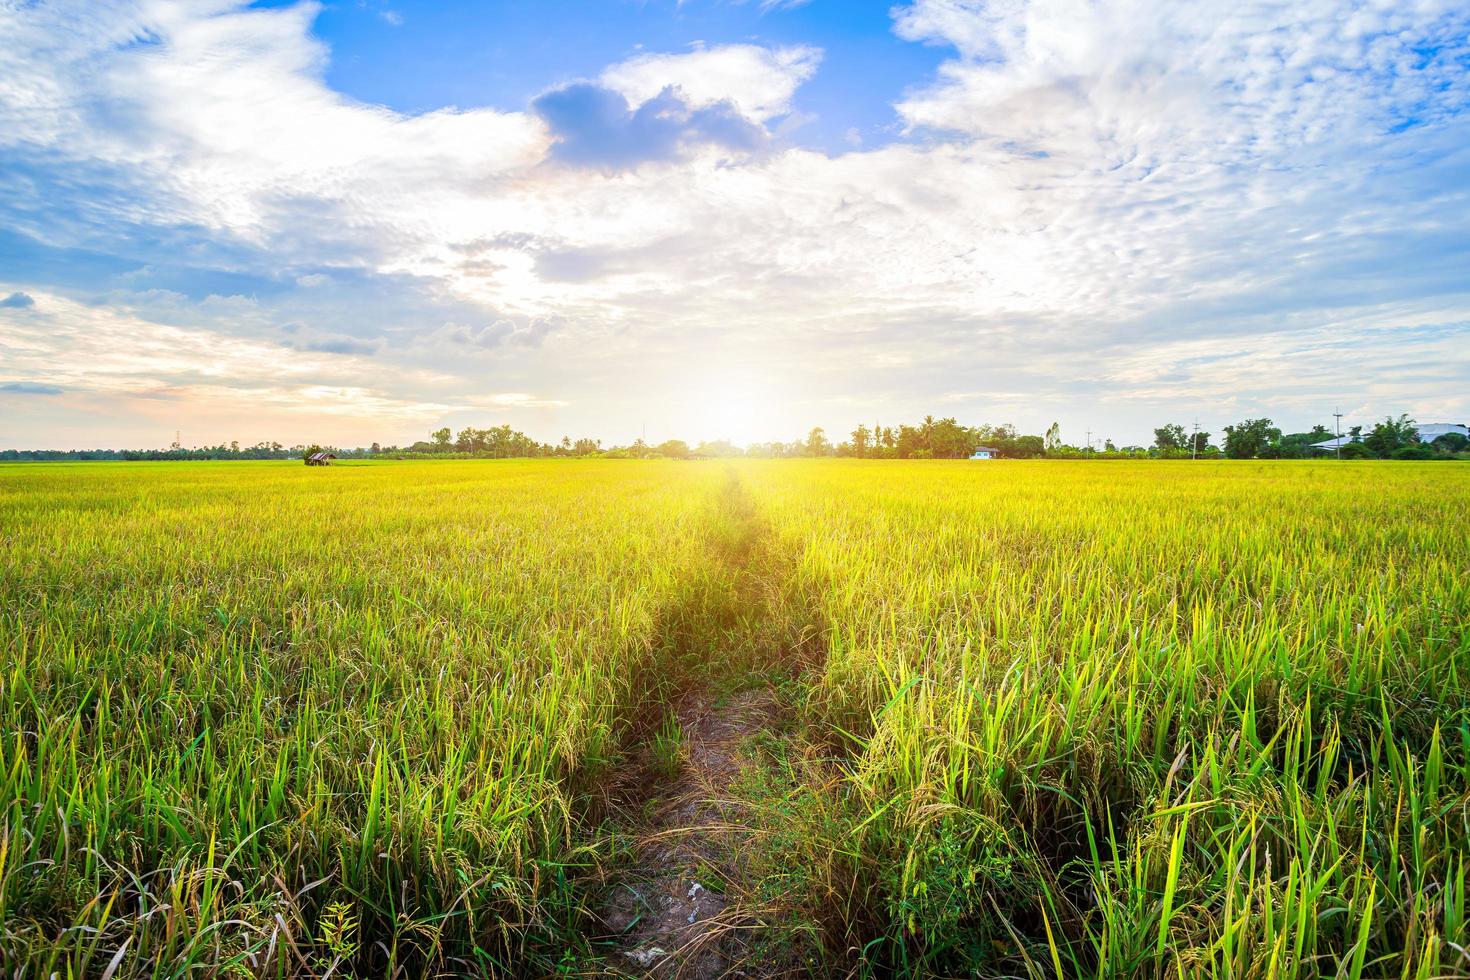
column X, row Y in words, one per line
column 667, row 746
column 1413, row 452
column 1170, row 436
column 817, row 444
column 1391, row 435
column 1451, row 442
column 1252, row 438
column 718, row 449
column 943, row 895
column 337, row 934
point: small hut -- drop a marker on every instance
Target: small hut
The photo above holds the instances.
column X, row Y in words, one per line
column 320, row 459
column 985, row 452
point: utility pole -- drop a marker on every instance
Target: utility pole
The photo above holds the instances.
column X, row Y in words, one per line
column 1089, row 442
column 1194, row 438
column 1337, row 426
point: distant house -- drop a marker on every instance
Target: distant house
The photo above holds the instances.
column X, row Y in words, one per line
column 320, row 459
column 985, row 452
column 1332, row 445
column 1428, row 432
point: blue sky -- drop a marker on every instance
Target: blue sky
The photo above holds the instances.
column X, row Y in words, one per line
column 416, row 57
column 358, row 221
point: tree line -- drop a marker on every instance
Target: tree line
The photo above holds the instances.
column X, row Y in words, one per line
column 232, row 450
column 1392, row 438
column 945, row 438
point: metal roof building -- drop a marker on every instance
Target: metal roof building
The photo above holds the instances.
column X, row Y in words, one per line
column 1433, row 430
column 1428, row 432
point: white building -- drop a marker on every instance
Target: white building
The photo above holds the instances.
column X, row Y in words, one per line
column 1433, row 430
column 985, row 452
column 1428, row 432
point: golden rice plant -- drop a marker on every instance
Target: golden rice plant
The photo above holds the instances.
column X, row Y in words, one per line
column 1140, row 719
column 1053, row 718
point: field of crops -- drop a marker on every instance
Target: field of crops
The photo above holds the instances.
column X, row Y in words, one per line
column 1040, row 718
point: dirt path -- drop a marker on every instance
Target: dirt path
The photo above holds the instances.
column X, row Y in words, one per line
column 681, row 909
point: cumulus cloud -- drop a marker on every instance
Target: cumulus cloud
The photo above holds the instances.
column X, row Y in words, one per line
column 215, row 117
column 759, row 82
column 1084, row 185
column 595, row 126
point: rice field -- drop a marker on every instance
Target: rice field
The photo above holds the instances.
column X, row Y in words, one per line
column 1040, row 719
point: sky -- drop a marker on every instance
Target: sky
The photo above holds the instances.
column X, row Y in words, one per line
column 361, row 220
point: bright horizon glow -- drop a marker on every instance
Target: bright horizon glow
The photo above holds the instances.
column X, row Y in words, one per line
column 738, row 407
column 710, row 219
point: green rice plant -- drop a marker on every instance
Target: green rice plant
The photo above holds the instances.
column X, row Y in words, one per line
column 666, row 747
column 233, row 693
column 1208, row 703
column 1051, row 718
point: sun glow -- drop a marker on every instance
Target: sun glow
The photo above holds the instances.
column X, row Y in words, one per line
column 742, row 408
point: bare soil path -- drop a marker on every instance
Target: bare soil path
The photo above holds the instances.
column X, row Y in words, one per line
column 682, row 910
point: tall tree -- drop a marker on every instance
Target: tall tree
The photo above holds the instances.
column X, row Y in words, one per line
column 816, row 443
column 1391, row 434
column 1450, row 442
column 1170, row 436
column 1250, row 438
column 950, row 440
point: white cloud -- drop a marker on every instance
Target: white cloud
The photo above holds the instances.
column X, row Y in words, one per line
column 1114, row 179
column 108, row 348
column 1214, row 82
column 218, row 116
column 759, row 81
column 124, row 365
